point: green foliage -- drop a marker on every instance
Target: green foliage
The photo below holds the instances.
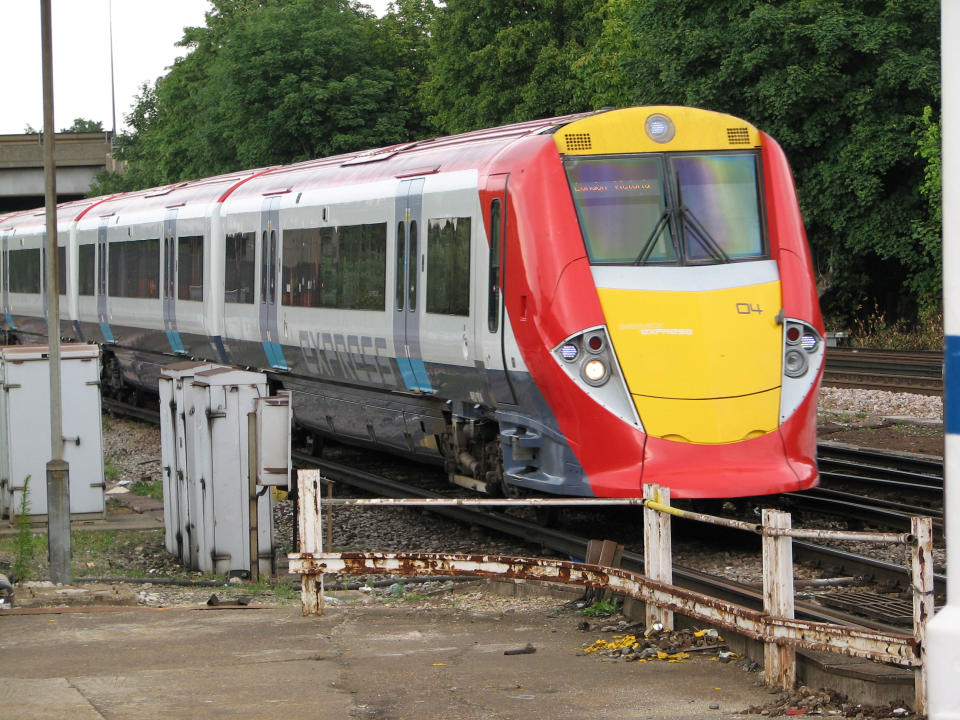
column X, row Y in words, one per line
column 82, row 125
column 602, row 608
column 873, row 330
column 25, row 542
column 268, row 82
column 110, row 471
column 148, row 488
column 841, row 85
column 495, row 63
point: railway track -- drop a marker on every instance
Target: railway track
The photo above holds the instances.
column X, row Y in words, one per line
column 887, row 615
column 875, row 487
column 863, row 568
column 914, row 372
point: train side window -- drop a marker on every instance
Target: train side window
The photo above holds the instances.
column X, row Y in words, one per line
column 239, row 270
column 190, row 267
column 86, row 265
column 414, row 268
column 264, row 254
column 401, row 259
column 272, row 286
column 363, row 257
column 300, row 273
column 135, row 268
column 448, row 266
column 493, row 293
column 62, row 270
column 25, row 271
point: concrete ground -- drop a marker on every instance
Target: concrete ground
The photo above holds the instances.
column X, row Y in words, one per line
column 354, row 661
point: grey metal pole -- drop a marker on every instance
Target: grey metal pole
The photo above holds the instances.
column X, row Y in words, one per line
column 58, row 478
column 113, row 87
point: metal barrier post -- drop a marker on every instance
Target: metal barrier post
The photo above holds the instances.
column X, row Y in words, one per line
column 311, row 530
column 923, row 602
column 657, row 551
column 779, row 661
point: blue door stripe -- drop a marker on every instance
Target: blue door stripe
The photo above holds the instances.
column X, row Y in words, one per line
column 176, row 344
column 107, row 333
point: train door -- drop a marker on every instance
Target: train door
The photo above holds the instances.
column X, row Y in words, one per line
column 169, row 284
column 102, row 269
column 270, row 282
column 490, row 329
column 408, row 288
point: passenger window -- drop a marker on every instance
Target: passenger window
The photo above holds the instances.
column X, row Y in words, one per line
column 62, row 270
column 25, row 271
column 190, row 268
column 240, row 268
column 337, row 267
column 85, row 270
column 414, row 270
column 493, row 277
column 135, row 268
column 401, row 259
column 448, row 266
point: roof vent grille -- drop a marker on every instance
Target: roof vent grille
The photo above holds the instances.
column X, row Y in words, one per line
column 577, row 142
column 738, row 136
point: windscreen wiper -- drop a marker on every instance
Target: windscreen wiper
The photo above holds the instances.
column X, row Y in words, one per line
column 703, row 237
column 651, row 240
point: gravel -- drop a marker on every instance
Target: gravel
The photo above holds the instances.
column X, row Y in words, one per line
column 880, row 403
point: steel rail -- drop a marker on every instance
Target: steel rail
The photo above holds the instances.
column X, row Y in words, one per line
column 924, row 467
column 850, row 505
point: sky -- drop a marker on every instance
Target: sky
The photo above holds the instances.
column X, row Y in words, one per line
column 145, row 33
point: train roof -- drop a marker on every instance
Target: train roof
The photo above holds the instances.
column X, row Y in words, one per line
column 453, row 152
column 34, row 221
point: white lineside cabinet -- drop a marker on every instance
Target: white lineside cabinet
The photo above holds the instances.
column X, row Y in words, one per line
column 174, row 449
column 219, row 402
column 25, row 427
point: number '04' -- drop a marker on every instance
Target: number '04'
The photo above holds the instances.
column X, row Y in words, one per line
column 747, row 308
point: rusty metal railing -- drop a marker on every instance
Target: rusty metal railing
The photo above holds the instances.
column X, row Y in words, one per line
column 775, row 625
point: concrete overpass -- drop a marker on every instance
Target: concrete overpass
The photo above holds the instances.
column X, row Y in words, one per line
column 79, row 157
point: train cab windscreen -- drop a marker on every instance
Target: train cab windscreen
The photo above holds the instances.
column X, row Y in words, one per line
column 682, row 209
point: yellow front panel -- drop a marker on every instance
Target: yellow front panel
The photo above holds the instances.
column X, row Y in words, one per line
column 726, row 420
column 623, row 131
column 696, row 345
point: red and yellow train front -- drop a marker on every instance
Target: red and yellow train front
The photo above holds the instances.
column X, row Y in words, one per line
column 710, row 326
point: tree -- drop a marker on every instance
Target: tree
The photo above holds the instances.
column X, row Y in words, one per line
column 406, row 29
column 82, row 125
column 268, row 82
column 495, row 63
column 841, row 85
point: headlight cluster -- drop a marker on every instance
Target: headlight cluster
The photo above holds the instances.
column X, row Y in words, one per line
column 589, row 359
column 589, row 350
column 800, row 343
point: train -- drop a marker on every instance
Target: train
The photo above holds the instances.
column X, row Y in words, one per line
column 576, row 305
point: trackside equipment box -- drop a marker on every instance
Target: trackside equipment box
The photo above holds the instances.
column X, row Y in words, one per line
column 209, row 414
column 25, row 427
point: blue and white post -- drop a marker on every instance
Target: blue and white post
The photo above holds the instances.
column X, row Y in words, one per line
column 943, row 632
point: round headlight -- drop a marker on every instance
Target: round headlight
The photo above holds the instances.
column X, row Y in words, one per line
column 569, row 351
column 659, row 128
column 809, row 342
column 793, row 334
column 595, row 372
column 794, row 363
